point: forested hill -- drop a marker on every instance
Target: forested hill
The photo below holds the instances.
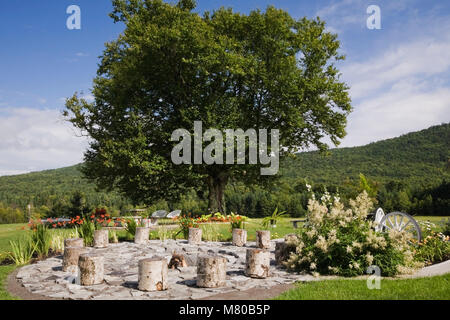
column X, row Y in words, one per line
column 417, row 159
column 49, row 187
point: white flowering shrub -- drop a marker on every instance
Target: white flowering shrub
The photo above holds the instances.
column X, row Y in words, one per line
column 340, row 241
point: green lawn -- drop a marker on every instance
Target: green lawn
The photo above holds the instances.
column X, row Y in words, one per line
column 434, row 288
column 7, row 232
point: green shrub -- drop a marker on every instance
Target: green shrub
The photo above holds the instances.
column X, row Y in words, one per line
column 131, row 227
column 113, row 237
column 86, row 230
column 22, row 250
column 342, row 241
column 185, row 223
column 237, row 221
column 434, row 248
column 42, row 240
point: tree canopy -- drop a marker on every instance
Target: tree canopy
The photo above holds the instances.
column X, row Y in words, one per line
column 172, row 66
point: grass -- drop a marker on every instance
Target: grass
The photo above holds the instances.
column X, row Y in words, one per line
column 433, row 288
column 8, row 232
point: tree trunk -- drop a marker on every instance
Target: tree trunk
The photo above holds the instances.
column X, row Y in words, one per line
column 216, row 198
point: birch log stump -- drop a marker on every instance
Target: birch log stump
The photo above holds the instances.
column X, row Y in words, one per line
column 91, row 269
column 73, row 242
column 257, row 263
column 239, row 237
column 153, row 274
column 101, row 238
column 142, row 235
column 70, row 258
column 195, row 236
column 263, row 239
column 211, row 271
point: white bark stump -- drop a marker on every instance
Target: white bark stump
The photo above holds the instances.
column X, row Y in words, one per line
column 101, row 238
column 211, row 271
column 91, row 269
column 263, row 239
column 142, row 235
column 73, row 242
column 70, row 258
column 239, row 237
column 153, row 274
column 195, row 236
column 257, row 263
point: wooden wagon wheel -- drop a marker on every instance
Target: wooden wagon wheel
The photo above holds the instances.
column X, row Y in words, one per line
column 401, row 221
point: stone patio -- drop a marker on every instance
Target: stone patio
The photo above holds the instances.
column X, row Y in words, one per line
column 46, row 277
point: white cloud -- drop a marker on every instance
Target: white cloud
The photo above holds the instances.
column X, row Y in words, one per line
column 422, row 58
column 33, row 140
column 404, row 89
column 404, row 109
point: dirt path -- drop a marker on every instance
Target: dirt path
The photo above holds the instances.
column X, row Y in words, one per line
column 16, row 289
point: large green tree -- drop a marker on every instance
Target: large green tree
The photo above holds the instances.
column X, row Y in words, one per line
column 172, row 66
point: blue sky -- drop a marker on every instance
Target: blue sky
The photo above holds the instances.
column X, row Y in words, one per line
column 399, row 75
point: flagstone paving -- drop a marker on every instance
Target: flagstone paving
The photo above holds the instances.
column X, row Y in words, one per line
column 47, row 279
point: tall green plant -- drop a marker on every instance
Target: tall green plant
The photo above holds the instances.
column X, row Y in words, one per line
column 86, row 231
column 132, row 225
column 22, row 251
column 42, row 239
column 237, row 221
column 272, row 220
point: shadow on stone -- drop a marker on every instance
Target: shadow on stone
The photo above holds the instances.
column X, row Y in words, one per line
column 236, row 273
column 130, row 284
column 189, row 282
